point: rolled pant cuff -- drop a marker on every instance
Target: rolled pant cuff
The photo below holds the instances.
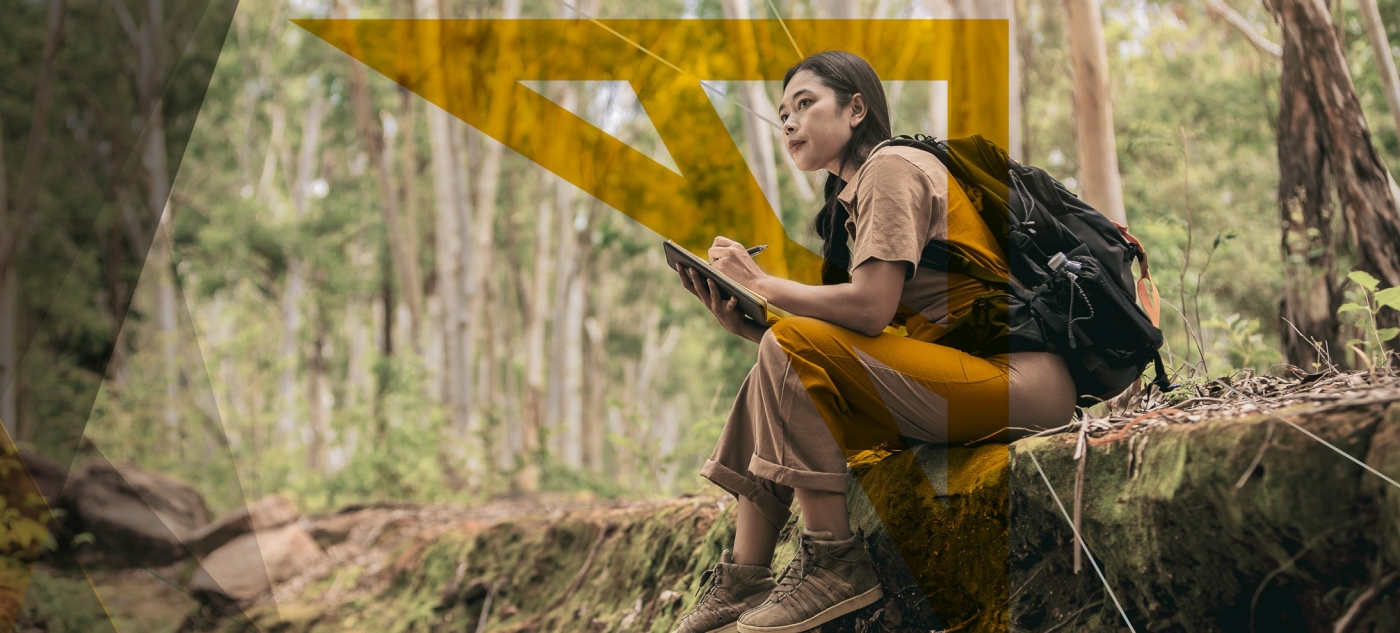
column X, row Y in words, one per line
column 810, row 480
column 738, row 485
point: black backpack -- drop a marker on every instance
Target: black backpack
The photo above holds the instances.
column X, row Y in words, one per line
column 1071, row 289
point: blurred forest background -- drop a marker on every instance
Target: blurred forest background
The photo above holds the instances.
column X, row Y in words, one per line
column 353, row 296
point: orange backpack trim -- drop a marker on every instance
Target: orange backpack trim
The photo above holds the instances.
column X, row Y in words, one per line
column 1151, row 301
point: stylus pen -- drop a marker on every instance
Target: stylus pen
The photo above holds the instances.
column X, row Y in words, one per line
column 757, row 249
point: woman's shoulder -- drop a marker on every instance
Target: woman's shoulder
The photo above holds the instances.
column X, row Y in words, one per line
column 903, row 161
column 895, row 166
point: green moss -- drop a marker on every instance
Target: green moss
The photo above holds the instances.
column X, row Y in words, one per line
column 969, row 539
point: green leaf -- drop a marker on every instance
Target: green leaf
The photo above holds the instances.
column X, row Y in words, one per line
column 1352, row 307
column 1363, row 279
column 1388, row 333
column 1390, row 297
column 1355, row 341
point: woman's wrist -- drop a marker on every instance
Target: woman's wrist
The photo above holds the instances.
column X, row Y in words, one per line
column 763, row 287
column 751, row 331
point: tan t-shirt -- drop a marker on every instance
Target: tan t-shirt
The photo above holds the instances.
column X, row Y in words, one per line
column 901, row 198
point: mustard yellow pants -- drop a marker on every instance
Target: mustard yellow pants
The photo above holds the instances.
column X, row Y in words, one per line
column 820, row 393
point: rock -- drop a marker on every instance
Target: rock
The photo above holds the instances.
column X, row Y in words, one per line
column 248, row 565
column 269, row 512
column 48, row 476
column 144, row 516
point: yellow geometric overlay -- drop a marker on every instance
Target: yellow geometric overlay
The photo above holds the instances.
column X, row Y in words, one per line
column 473, row 69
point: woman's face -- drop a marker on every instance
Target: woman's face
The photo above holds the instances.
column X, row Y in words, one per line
column 817, row 128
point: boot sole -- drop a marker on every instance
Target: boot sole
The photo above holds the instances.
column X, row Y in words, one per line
column 837, row 610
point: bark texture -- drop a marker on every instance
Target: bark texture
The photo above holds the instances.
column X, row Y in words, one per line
column 1098, row 154
column 1320, row 107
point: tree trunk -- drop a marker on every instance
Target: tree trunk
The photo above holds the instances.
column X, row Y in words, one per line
column 16, row 225
column 447, row 190
column 1098, row 155
column 938, row 90
column 1313, row 55
column 1014, row 130
column 757, row 136
column 480, row 236
column 575, row 309
column 9, row 312
column 528, row 478
column 316, row 451
column 838, row 9
column 408, row 166
column 296, row 282
column 404, row 254
column 563, row 278
column 594, row 414
column 980, row 10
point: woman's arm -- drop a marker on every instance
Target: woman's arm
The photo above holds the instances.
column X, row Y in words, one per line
column 865, row 305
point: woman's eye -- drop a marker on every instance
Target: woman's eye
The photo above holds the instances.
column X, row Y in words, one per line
column 803, row 102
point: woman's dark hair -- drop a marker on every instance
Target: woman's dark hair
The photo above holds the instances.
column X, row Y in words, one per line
column 846, row 74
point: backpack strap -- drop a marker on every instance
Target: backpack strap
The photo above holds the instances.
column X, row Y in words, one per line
column 1151, row 301
column 937, row 256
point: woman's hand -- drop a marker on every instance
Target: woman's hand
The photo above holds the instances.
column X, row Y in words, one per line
column 726, row 311
column 732, row 259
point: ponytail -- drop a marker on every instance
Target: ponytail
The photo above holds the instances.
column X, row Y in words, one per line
column 830, row 226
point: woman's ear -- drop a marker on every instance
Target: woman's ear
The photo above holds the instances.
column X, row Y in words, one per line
column 858, row 110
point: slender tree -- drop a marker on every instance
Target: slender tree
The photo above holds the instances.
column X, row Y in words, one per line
column 1098, row 154
column 1321, row 123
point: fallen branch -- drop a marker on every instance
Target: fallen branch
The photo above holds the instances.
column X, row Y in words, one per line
column 1364, row 600
column 583, row 571
column 1123, row 432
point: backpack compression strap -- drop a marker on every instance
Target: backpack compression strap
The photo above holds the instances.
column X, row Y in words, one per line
column 937, row 256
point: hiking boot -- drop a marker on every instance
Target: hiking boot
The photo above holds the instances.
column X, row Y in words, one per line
column 825, row 580
column 732, row 590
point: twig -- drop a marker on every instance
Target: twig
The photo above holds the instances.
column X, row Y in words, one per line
column 1322, row 354
column 486, row 607
column 1123, row 432
column 583, row 571
column 1243, row 26
column 1183, row 403
column 1025, row 584
column 1254, row 601
column 1071, row 617
column 1364, row 600
column 1082, row 544
column 1187, row 322
column 1258, row 457
column 1082, row 458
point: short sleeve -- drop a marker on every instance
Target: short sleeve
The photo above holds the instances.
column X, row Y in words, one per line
column 894, row 203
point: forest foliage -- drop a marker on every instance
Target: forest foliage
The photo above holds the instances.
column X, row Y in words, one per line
column 294, row 365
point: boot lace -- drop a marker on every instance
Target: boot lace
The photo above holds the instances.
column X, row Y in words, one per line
column 796, row 570
column 709, row 582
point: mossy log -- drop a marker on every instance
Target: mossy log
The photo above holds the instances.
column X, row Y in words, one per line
column 982, row 544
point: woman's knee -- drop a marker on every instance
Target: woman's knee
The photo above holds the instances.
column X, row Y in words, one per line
column 793, row 333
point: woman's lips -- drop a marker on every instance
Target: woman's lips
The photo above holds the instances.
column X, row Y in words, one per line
column 793, row 145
